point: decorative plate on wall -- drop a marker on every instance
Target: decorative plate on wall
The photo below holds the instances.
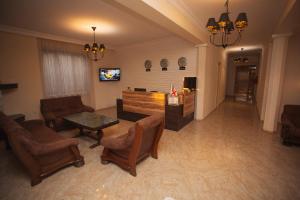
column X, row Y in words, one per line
column 164, row 64
column 182, row 62
column 148, row 65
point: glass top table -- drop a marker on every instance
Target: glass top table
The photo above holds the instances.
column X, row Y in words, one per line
column 92, row 122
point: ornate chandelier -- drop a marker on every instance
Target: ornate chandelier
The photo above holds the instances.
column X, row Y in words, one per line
column 224, row 27
column 92, row 52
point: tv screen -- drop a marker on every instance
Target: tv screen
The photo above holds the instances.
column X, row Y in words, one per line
column 109, row 74
column 190, row 82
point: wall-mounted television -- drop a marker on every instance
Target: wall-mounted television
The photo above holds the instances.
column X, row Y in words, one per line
column 190, row 82
column 109, row 74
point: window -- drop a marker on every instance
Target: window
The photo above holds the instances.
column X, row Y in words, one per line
column 65, row 73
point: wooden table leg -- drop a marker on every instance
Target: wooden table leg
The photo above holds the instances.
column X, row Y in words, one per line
column 99, row 137
column 81, row 133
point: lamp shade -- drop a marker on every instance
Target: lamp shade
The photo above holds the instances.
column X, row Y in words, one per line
column 87, row 47
column 95, row 47
column 241, row 21
column 224, row 19
column 230, row 27
column 102, row 48
column 212, row 25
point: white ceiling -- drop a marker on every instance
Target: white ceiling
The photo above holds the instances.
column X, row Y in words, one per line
column 73, row 19
column 263, row 15
column 117, row 26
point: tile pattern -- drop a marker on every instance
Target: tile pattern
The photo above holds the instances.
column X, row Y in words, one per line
column 225, row 156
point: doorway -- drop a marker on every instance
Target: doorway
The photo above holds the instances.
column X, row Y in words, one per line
column 243, row 69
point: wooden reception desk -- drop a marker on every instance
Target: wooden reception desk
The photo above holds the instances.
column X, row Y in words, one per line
column 137, row 105
column 144, row 102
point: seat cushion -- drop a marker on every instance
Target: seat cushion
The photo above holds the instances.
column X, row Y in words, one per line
column 43, row 134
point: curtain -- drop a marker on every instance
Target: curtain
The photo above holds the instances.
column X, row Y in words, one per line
column 65, row 71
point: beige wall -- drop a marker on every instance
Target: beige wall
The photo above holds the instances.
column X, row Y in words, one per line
column 291, row 84
column 131, row 59
column 20, row 64
column 105, row 93
column 214, row 89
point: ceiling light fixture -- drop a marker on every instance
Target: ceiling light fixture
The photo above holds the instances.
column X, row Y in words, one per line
column 242, row 58
column 224, row 27
column 92, row 52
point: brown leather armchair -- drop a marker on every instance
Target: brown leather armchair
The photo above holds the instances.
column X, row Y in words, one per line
column 40, row 149
column 54, row 109
column 129, row 149
column 290, row 120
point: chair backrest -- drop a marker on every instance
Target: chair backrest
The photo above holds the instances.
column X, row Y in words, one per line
column 147, row 133
column 58, row 104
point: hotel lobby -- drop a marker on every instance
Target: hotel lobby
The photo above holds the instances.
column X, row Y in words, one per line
column 170, row 100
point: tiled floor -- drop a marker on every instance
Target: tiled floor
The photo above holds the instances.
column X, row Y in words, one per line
column 225, row 156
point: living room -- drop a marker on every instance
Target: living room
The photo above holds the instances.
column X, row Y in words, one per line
column 160, row 47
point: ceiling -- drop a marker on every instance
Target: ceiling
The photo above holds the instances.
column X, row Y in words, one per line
column 117, row 26
column 263, row 15
column 291, row 22
column 74, row 18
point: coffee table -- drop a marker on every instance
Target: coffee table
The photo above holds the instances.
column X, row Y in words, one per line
column 92, row 122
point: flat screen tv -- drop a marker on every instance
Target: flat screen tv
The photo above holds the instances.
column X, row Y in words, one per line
column 190, row 82
column 109, row 74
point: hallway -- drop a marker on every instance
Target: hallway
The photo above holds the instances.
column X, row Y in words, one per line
column 225, row 156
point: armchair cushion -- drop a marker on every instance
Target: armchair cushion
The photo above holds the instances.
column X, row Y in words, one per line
column 119, row 142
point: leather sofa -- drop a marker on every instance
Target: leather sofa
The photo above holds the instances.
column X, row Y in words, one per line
column 41, row 150
column 290, row 120
column 54, row 109
column 140, row 141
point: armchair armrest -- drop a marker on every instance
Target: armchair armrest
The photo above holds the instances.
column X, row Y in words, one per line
column 38, row 149
column 88, row 109
column 119, row 142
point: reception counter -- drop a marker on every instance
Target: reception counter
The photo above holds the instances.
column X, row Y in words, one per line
column 137, row 105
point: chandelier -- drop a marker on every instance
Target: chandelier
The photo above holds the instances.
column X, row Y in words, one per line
column 224, row 27
column 96, row 50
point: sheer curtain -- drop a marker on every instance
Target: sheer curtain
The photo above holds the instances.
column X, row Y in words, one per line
column 65, row 70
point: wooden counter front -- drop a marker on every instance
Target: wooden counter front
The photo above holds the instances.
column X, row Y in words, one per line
column 144, row 102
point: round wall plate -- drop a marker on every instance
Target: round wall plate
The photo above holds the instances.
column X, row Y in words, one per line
column 148, row 65
column 164, row 64
column 182, row 62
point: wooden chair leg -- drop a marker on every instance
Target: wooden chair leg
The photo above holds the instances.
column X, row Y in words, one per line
column 79, row 163
column 132, row 171
column 104, row 162
column 35, row 180
column 154, row 154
